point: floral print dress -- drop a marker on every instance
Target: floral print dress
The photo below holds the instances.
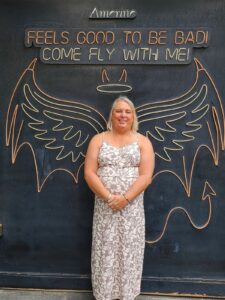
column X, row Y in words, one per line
column 118, row 237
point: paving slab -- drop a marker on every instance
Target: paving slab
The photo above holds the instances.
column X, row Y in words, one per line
column 18, row 294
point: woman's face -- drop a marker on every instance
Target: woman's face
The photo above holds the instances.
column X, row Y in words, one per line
column 122, row 116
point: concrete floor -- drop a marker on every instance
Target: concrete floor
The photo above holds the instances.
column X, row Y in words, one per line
column 18, row 294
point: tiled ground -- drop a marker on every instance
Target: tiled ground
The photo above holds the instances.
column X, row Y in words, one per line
column 13, row 294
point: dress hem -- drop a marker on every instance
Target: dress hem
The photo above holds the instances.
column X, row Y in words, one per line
column 116, row 297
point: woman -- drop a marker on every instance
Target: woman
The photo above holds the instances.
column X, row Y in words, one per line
column 118, row 167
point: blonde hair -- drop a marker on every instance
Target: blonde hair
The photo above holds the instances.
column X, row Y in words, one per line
column 130, row 103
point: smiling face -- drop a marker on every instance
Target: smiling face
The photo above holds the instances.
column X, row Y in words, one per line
column 122, row 116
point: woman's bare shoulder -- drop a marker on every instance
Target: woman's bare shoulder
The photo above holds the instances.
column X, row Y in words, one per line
column 144, row 141
column 142, row 138
column 97, row 139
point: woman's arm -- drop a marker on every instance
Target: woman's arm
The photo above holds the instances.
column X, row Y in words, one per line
column 146, row 170
column 91, row 166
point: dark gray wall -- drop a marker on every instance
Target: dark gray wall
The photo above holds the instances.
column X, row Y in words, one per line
column 46, row 239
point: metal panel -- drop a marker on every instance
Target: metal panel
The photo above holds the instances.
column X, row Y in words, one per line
column 53, row 101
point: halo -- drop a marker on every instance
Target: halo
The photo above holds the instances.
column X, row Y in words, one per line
column 114, row 88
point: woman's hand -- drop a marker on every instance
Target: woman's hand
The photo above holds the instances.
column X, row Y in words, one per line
column 117, row 202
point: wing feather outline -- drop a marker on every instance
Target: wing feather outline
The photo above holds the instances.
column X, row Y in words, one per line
column 173, row 122
column 46, row 123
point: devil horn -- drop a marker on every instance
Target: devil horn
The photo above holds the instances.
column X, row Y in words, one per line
column 123, row 76
column 104, row 76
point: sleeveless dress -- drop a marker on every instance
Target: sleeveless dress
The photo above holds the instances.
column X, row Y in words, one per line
column 118, row 237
